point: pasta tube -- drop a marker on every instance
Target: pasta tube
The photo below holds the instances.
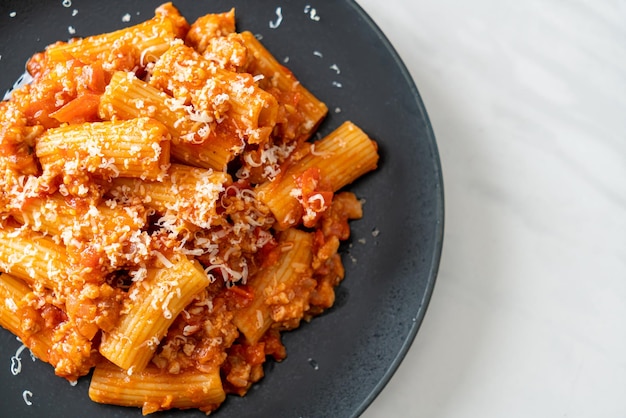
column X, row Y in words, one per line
column 195, row 140
column 33, row 257
column 151, row 306
column 54, row 215
column 47, row 338
column 128, row 48
column 186, row 192
column 13, row 291
column 134, row 148
column 341, row 157
column 154, row 390
column 293, row 265
column 230, row 103
column 301, row 111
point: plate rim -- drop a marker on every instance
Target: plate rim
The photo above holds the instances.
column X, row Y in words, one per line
column 439, row 215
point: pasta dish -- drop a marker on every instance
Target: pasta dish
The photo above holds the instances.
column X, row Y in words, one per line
column 164, row 212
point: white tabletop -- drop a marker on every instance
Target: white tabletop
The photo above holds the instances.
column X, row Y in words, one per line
column 528, row 103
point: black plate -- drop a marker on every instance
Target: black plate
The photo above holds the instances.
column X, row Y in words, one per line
column 339, row 362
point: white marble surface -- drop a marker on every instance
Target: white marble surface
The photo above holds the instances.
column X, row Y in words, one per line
column 528, row 103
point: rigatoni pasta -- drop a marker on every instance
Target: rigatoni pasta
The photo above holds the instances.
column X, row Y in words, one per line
column 33, row 257
column 304, row 189
column 126, row 49
column 14, row 293
column 163, row 214
column 135, row 148
column 150, row 308
column 301, row 111
column 152, row 390
column 186, row 193
column 292, row 266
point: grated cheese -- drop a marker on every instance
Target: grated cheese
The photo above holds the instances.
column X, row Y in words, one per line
column 26, row 395
column 16, row 361
column 10, row 304
column 164, row 260
column 279, row 18
column 312, row 12
column 152, row 342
